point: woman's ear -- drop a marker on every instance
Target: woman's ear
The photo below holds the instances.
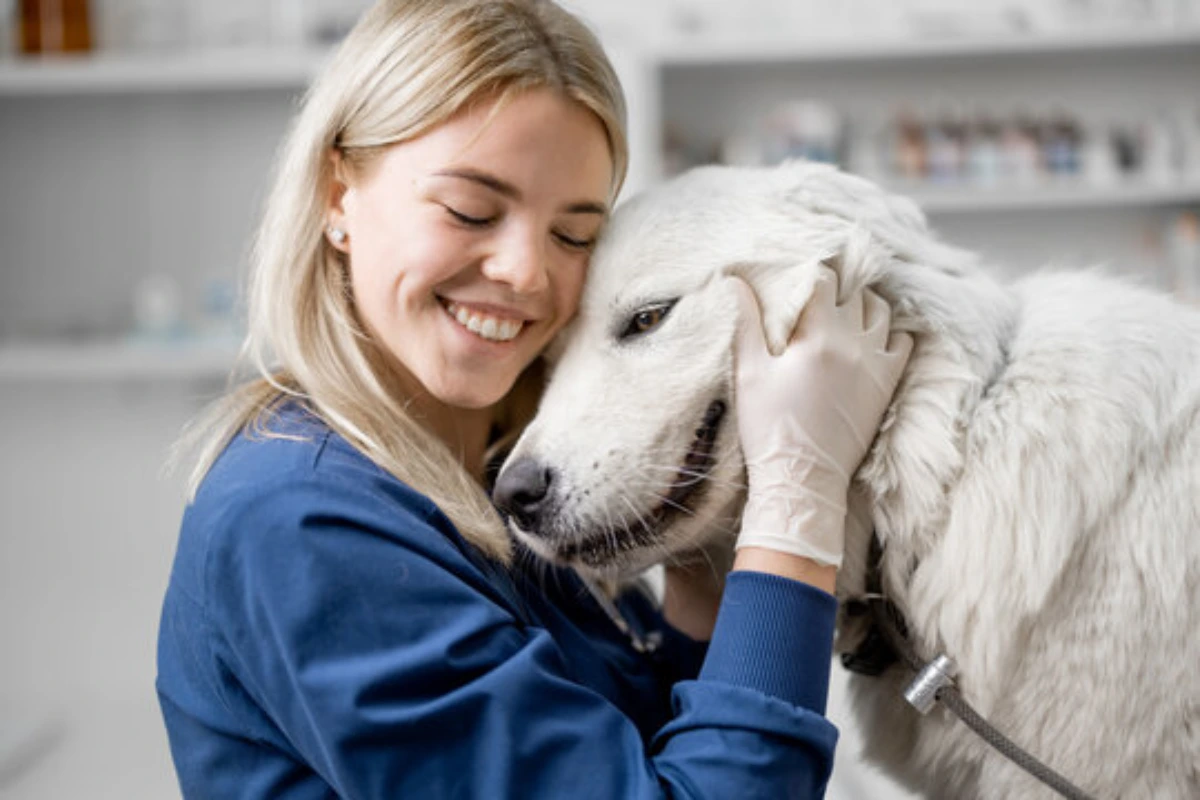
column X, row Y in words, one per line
column 336, row 225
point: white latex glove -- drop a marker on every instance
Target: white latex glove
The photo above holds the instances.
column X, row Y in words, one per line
column 807, row 416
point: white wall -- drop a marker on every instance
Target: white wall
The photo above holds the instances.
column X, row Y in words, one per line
column 87, row 532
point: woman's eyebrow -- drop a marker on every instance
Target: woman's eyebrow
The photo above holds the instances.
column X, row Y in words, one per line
column 483, row 179
column 508, row 190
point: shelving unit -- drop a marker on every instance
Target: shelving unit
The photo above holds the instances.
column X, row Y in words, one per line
column 705, row 50
column 128, row 165
column 116, row 361
column 1050, row 197
column 187, row 71
column 701, row 83
column 709, row 87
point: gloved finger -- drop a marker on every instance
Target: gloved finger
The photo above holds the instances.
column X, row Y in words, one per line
column 751, row 339
column 853, row 311
column 877, row 318
column 821, row 308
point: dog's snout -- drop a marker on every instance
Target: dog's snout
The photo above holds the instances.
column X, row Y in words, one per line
column 521, row 491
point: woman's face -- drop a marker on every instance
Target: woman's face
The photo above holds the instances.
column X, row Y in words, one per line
column 468, row 246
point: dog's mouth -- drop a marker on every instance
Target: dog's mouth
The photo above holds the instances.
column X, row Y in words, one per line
column 681, row 497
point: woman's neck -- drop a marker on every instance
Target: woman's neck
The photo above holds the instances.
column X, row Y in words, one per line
column 464, row 430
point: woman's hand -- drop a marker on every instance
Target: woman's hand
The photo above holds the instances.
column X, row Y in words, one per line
column 806, row 419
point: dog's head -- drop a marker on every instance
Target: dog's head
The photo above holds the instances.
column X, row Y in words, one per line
column 633, row 456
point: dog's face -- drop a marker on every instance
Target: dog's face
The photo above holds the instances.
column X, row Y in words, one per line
column 635, row 436
column 633, row 456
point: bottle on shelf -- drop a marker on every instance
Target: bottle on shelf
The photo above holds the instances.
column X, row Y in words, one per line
column 1098, row 157
column 909, row 154
column 983, row 154
column 54, row 26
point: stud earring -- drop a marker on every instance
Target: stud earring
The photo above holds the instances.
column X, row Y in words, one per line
column 336, row 235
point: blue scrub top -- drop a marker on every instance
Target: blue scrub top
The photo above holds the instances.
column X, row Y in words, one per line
column 327, row 632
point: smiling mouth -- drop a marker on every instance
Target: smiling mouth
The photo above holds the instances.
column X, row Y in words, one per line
column 486, row 326
column 680, row 498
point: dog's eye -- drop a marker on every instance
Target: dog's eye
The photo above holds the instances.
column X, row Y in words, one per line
column 646, row 319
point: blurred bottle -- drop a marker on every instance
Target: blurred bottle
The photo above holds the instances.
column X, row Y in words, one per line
column 1021, row 150
column 1060, row 144
column 946, row 143
column 1127, row 145
column 1183, row 256
column 1099, row 153
column 157, row 308
column 909, row 151
column 55, row 26
column 866, row 150
column 1160, row 161
column 218, row 322
column 1189, row 142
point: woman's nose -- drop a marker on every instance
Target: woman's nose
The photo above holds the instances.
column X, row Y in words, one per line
column 519, row 260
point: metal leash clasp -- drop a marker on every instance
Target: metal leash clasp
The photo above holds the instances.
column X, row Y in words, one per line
column 937, row 674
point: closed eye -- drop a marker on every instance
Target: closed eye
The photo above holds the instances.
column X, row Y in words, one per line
column 647, row 318
column 573, row 243
column 466, row 219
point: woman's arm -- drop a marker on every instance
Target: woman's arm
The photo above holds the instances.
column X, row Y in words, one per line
column 394, row 670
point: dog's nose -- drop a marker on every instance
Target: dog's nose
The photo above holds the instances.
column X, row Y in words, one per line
column 521, row 491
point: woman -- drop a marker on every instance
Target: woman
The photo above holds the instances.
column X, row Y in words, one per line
column 346, row 616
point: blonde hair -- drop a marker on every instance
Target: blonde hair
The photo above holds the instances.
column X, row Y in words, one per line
column 407, row 67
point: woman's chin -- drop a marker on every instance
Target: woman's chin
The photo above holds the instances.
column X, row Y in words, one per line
column 476, row 395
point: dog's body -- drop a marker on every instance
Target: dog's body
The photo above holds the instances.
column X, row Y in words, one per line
column 1035, row 485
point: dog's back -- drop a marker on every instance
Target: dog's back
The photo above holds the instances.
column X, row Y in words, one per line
column 1066, row 575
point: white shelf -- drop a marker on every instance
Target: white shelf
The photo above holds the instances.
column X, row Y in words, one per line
column 114, row 361
column 702, row 50
column 109, row 73
column 248, row 68
column 952, row 200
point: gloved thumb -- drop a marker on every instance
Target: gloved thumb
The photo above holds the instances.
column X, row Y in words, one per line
column 751, row 339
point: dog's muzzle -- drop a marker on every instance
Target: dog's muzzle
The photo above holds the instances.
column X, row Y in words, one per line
column 522, row 492
column 525, row 492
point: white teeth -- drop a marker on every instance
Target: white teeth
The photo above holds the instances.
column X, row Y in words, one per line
column 493, row 329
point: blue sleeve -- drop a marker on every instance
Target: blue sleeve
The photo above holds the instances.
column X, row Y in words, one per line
column 395, row 670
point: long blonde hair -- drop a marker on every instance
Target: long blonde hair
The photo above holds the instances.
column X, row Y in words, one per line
column 407, row 67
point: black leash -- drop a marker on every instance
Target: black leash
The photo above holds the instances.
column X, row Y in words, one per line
column 887, row 642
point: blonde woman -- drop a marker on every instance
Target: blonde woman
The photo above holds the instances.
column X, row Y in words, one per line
column 346, row 615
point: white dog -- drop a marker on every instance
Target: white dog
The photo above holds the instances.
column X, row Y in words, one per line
column 1035, row 485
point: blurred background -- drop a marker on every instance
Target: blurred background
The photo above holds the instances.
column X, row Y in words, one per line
column 136, row 137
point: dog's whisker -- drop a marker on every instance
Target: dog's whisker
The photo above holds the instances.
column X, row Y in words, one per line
column 637, row 515
column 679, row 507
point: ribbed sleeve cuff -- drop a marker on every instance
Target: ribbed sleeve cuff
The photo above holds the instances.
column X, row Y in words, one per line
column 775, row 635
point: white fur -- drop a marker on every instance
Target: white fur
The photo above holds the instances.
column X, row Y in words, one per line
column 1036, row 483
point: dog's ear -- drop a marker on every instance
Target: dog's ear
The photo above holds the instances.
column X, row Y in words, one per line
column 782, row 293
